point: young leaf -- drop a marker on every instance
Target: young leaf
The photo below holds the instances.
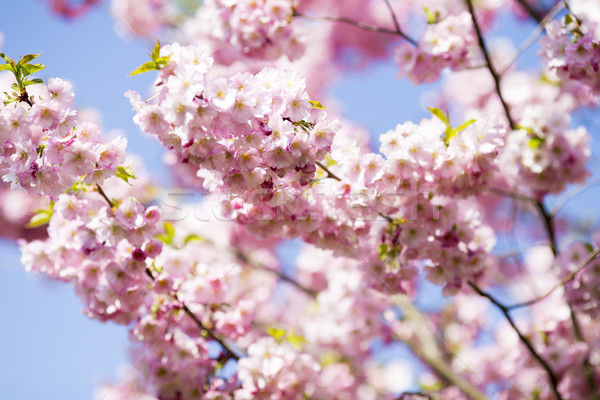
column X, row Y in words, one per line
column 440, row 114
column 6, row 58
column 169, row 235
column 277, row 334
column 193, row 238
column 27, row 58
column 383, row 251
column 145, row 67
column 124, row 173
column 155, row 51
column 40, row 218
column 431, row 16
column 317, row 104
column 465, row 124
column 29, row 69
column 535, row 142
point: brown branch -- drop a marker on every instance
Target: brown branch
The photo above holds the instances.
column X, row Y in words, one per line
column 199, row 323
column 110, row 203
column 490, row 67
column 246, row 260
column 359, row 25
column 533, row 12
column 329, row 173
column 587, row 367
column 549, row 222
column 537, row 32
column 524, row 340
column 568, row 278
column 395, row 20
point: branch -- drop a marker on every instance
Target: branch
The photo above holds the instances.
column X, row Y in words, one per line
column 534, row 35
column 524, row 340
column 110, row 203
column 488, row 61
column 395, row 19
column 408, row 395
column 199, row 323
column 534, row 13
column 512, row 195
column 329, row 173
column 549, row 222
column 426, row 348
column 587, row 367
column 360, row 25
column 568, row 278
column 246, row 260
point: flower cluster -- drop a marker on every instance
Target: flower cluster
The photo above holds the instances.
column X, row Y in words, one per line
column 255, row 29
column 256, row 137
column 44, row 148
column 276, row 371
column 573, row 53
column 100, row 249
column 445, row 44
column 583, row 291
column 143, row 18
column 545, row 155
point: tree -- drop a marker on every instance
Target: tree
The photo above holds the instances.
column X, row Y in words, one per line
column 240, row 104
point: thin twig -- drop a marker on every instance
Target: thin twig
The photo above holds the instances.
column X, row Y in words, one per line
column 329, row 173
column 549, row 222
column 534, row 35
column 512, row 195
column 532, row 11
column 408, row 395
column 488, row 61
column 246, row 260
column 358, row 24
column 110, row 203
column 587, row 367
column 568, row 278
column 395, row 19
column 560, row 203
column 199, row 323
column 524, row 340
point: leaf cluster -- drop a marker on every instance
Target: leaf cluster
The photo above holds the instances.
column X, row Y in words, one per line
column 21, row 69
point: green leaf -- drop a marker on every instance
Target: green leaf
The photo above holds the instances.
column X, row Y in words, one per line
column 29, row 57
column 124, row 173
column 79, row 186
column 6, row 67
column 296, row 340
column 465, row 124
column 383, row 251
column 431, row 16
column 6, row 58
column 450, row 133
column 568, row 19
column 32, row 82
column 40, row 218
column 193, row 238
column 29, row 69
column 440, row 114
column 277, row 334
column 317, row 104
column 535, row 142
column 589, row 247
column 145, row 67
column 169, row 235
column 156, row 63
column 528, row 130
column 155, row 51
